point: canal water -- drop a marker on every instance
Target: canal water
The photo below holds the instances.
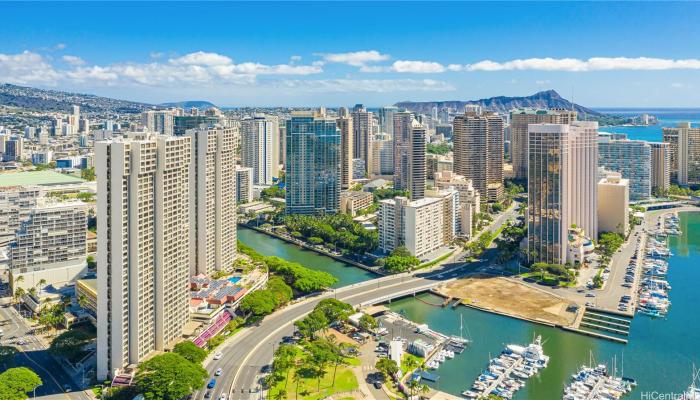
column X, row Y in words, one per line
column 270, row 246
column 659, row 356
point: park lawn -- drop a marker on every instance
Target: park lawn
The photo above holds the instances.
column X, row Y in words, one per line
column 549, row 279
column 406, row 361
column 345, row 381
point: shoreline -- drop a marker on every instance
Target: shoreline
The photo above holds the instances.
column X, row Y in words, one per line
column 314, row 249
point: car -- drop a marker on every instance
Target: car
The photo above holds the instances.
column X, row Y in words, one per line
column 266, row 369
column 67, row 388
column 590, row 295
column 589, row 304
column 581, row 290
column 21, row 342
column 377, row 385
column 222, row 396
column 218, row 372
column 207, row 395
column 218, row 355
column 211, row 383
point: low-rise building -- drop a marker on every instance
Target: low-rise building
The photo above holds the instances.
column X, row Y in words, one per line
column 86, row 294
column 352, row 201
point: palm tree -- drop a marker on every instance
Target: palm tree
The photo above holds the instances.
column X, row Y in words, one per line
column 296, row 379
column 413, row 385
column 19, row 292
column 32, row 291
column 41, row 284
column 82, row 300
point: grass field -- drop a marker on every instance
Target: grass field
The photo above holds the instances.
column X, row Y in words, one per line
column 308, row 388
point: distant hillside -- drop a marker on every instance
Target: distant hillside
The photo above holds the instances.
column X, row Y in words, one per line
column 58, row 101
column 503, row 104
column 200, row 104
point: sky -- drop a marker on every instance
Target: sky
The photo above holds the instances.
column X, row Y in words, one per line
column 340, row 53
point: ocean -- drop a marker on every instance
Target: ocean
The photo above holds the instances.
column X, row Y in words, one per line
column 667, row 117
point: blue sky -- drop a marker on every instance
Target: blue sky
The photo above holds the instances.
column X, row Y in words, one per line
column 334, row 53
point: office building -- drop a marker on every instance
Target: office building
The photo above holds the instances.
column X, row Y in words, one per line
column 259, row 148
column 14, row 149
column 143, row 226
column 313, row 164
column 519, row 120
column 417, row 225
column 562, row 187
column 212, row 191
column 660, row 166
column 244, row 185
column 183, row 123
column 347, row 134
column 478, row 152
column 613, row 204
column 161, row 122
column 632, row 159
column 362, row 131
column 50, row 245
column 684, row 142
column 386, row 119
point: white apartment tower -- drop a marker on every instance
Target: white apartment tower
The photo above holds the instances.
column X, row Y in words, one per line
column 244, row 185
column 213, row 199
column 142, row 246
column 260, row 147
column 418, row 225
column 158, row 121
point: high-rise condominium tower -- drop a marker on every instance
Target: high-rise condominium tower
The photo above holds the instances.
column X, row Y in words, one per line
column 313, row 164
column 362, row 131
column 142, row 246
column 562, row 187
column 345, row 126
column 478, row 151
column 158, row 121
column 660, row 166
column 632, row 159
column 213, row 199
column 684, row 142
column 519, row 120
column 260, row 147
column 416, row 177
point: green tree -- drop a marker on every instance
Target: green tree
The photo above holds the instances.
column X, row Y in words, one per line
column 368, row 322
column 190, row 352
column 91, row 262
column 70, row 342
column 15, row 383
column 438, row 148
column 284, row 360
column 282, row 292
column 387, row 367
column 334, row 310
column 259, row 303
column 169, row 376
column 318, row 359
column 313, row 323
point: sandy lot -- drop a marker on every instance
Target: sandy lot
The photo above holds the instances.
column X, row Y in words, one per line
column 512, row 298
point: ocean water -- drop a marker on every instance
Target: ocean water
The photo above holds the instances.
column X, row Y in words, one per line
column 667, row 117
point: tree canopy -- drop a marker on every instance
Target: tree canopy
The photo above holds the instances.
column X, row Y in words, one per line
column 339, row 230
column 70, row 342
column 190, row 352
column 15, row 383
column 169, row 376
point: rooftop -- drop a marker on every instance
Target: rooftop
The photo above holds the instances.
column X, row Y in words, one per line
column 43, row 178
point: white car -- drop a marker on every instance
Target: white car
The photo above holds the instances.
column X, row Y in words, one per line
column 218, row 355
column 223, row 396
column 218, row 372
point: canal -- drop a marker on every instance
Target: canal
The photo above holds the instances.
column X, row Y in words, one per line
column 270, row 246
column 660, row 354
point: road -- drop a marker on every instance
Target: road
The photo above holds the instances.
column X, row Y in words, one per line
column 247, row 352
column 34, row 355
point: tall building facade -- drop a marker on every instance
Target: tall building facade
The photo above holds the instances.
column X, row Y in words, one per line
column 562, row 187
column 142, row 246
column 632, row 159
column 660, row 166
column 362, row 131
column 244, row 185
column 403, row 121
column 260, row 148
column 519, row 120
column 684, row 142
column 613, row 204
column 158, row 121
column 416, row 165
column 386, row 119
column 418, row 225
column 313, row 164
column 213, row 199
column 347, row 135
column 382, row 155
column 478, row 152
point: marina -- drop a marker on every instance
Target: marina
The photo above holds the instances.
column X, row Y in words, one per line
column 595, row 383
column 654, row 289
column 507, row 373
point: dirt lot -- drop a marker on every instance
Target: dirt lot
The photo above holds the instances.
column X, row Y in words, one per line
column 512, row 298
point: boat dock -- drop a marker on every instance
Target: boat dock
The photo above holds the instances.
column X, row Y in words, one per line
column 495, row 383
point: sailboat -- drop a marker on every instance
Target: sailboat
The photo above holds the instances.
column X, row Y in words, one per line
column 693, row 392
column 461, row 340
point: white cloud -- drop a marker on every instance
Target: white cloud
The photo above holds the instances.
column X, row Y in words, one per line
column 543, row 82
column 202, row 58
column 26, row 68
column 367, row 85
column 677, row 85
column 59, row 46
column 73, row 60
column 418, row 67
column 355, row 58
column 578, row 65
column 294, row 58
